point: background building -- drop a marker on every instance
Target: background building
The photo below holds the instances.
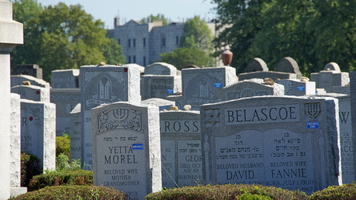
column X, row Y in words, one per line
column 143, row 43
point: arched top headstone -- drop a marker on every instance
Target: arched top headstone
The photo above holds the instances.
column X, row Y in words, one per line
column 257, row 64
column 161, row 68
column 332, row 66
column 288, row 64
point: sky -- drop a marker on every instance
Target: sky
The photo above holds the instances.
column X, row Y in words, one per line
column 107, row 10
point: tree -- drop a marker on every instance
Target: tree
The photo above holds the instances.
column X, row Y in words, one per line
column 197, row 34
column 195, row 47
column 183, row 57
column 312, row 32
column 62, row 37
column 158, row 17
column 246, row 19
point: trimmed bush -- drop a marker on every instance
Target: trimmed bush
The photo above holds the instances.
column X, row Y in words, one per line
column 30, row 166
column 228, row 192
column 57, row 178
column 62, row 145
column 72, row 192
column 344, row 192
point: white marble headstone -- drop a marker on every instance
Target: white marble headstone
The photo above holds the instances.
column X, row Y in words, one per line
column 126, row 148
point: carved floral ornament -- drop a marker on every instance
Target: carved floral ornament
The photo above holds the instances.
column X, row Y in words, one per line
column 120, row 119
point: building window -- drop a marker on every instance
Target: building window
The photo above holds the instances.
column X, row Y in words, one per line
column 129, row 43
column 134, row 59
column 144, row 42
column 177, row 40
column 134, row 42
column 129, row 58
column 118, row 41
column 163, row 41
column 144, row 60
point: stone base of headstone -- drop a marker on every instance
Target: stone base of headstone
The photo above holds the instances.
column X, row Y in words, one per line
column 16, row 191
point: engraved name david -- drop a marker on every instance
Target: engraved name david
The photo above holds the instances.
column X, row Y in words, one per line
column 262, row 114
column 120, row 118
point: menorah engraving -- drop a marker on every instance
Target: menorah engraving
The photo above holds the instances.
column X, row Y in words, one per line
column 312, row 109
column 120, row 114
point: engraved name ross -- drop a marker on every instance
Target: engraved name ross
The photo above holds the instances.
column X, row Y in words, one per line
column 266, row 114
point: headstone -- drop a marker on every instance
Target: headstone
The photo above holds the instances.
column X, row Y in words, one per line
column 341, row 89
column 11, row 34
column 38, row 136
column 160, row 103
column 288, row 64
column 353, row 110
column 28, row 69
column 31, row 92
column 75, row 134
column 270, row 74
column 257, row 64
column 160, row 86
column 251, row 87
column 200, row 86
column 297, row 88
column 287, row 142
column 181, row 148
column 65, row 78
column 332, row 66
column 20, row 79
column 161, row 68
column 65, row 99
column 102, row 85
column 15, row 168
column 126, row 148
column 346, row 137
column 329, row 77
column 178, row 99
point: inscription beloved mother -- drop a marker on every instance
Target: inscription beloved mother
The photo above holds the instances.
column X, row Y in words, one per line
column 262, row 114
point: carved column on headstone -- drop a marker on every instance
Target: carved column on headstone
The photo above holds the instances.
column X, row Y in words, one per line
column 11, row 34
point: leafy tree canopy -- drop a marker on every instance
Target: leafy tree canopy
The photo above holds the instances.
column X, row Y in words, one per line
column 62, row 37
column 312, row 32
column 184, row 57
column 195, row 47
column 158, row 17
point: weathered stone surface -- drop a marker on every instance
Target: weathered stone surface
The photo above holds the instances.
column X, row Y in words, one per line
column 251, row 87
column 65, row 99
column 126, row 148
column 181, row 148
column 38, row 135
column 257, row 64
column 204, row 85
column 66, row 78
column 288, row 142
column 102, row 85
column 288, row 64
column 32, row 92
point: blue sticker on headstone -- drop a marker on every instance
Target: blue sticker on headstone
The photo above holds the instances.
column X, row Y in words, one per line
column 300, row 88
column 218, row 84
column 137, row 146
column 312, row 125
column 170, row 91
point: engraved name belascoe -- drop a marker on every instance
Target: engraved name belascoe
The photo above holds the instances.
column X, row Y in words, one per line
column 120, row 119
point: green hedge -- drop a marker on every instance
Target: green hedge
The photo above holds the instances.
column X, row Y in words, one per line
column 72, row 192
column 228, row 192
column 62, row 145
column 57, row 178
column 343, row 192
column 30, row 166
